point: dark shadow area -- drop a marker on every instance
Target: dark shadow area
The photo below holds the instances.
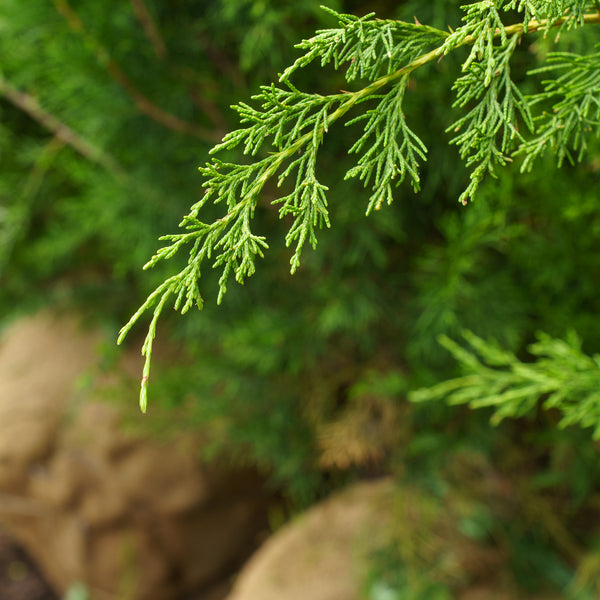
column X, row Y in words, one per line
column 19, row 577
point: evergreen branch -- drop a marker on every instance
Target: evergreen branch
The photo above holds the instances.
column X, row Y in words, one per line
column 369, row 47
column 385, row 53
column 307, row 204
column 562, row 378
column 174, row 285
column 147, row 349
column 499, row 101
column 562, row 13
column 545, row 24
column 240, row 185
column 574, row 116
column 483, row 26
column 387, row 159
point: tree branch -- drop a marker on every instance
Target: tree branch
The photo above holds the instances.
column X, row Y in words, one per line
column 29, row 105
column 149, row 27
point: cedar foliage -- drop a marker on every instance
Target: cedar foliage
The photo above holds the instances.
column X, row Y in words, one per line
column 497, row 122
column 105, row 114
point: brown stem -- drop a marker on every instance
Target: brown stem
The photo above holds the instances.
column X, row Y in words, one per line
column 201, row 90
column 210, row 109
column 220, row 59
column 144, row 105
column 152, row 33
column 62, row 132
column 149, row 27
column 156, row 113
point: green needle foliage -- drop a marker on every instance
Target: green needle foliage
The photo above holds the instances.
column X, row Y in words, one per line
column 561, row 378
column 284, row 128
column 574, row 97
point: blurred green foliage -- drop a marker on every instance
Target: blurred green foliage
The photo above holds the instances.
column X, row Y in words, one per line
column 106, row 111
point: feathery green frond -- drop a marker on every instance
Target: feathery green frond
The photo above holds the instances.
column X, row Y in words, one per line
column 562, row 378
column 366, row 47
column 574, row 114
column 282, row 128
column 391, row 150
column 490, row 129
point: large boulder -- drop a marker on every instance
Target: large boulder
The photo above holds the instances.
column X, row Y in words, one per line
column 129, row 515
column 322, row 554
column 380, row 540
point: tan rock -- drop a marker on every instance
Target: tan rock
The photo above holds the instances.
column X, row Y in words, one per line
column 328, row 552
column 321, row 555
column 124, row 561
column 130, row 516
column 57, row 542
column 40, row 357
column 140, row 481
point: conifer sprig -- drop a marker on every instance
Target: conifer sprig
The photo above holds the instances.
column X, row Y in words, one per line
column 574, row 114
column 283, row 129
column 547, row 14
column 562, row 377
column 390, row 149
column 368, row 48
column 488, row 132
